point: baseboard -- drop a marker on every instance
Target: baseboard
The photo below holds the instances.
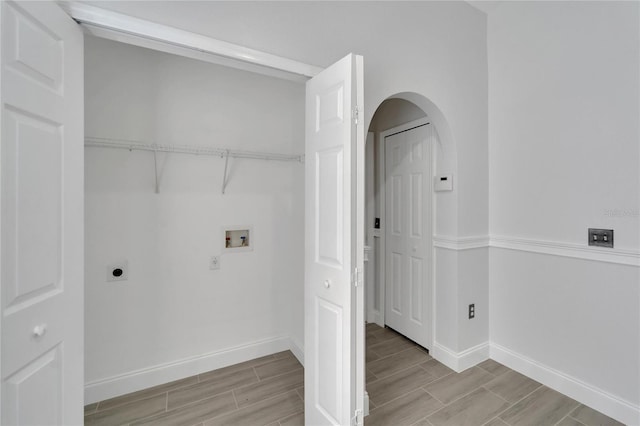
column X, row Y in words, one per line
column 617, row 408
column 460, row 361
column 374, row 317
column 132, row 381
column 297, row 349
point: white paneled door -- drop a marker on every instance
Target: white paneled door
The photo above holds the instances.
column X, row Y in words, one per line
column 41, row 216
column 408, row 233
column 334, row 231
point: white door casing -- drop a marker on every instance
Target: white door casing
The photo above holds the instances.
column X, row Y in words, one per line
column 334, row 244
column 41, row 216
column 408, row 233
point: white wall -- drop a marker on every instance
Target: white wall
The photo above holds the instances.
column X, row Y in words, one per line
column 564, row 152
column 434, row 49
column 173, row 307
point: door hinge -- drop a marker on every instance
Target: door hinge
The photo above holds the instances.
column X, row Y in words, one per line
column 355, row 115
column 357, row 419
column 356, row 277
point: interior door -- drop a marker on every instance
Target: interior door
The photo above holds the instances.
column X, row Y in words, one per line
column 408, row 233
column 41, row 216
column 334, row 244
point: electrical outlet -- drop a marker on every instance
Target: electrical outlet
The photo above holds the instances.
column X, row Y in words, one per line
column 118, row 271
column 214, row 262
column 472, row 310
column 601, row 237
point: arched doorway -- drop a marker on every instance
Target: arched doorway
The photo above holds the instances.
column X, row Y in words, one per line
column 398, row 115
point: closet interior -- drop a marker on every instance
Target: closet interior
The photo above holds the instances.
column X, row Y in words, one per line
column 181, row 155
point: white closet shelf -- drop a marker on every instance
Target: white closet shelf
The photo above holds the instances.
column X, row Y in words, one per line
column 188, row 149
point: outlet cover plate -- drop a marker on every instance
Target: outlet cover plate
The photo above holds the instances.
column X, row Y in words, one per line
column 601, row 237
column 214, row 263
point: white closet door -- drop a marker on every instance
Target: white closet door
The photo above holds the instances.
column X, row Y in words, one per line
column 41, row 216
column 408, row 234
column 334, row 340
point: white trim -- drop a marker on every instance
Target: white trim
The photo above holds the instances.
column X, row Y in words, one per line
column 460, row 361
column 554, row 248
column 612, row 406
column 104, row 23
column 462, row 243
column 381, row 258
column 578, row 251
column 132, row 381
column 297, row 349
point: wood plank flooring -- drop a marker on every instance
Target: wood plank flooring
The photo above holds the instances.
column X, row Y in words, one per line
column 267, row 390
column 406, row 386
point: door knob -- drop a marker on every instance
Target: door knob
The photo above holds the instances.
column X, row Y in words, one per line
column 39, row 330
column 327, row 283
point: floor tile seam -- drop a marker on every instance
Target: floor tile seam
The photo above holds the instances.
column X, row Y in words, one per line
column 434, row 397
column 490, row 420
column 154, row 395
column 115, row 407
column 270, row 396
column 279, row 375
column 192, row 402
column 517, row 402
column 411, row 345
column 400, row 396
column 241, row 388
column 492, row 373
column 407, row 392
column 398, row 372
column 379, row 342
column 203, row 421
column 499, row 413
column 218, row 392
column 492, row 392
column 438, row 378
column 529, row 394
column 231, row 373
column 459, row 397
column 233, row 392
column 404, row 350
column 424, row 419
column 289, row 415
column 262, row 400
column 452, row 402
column 573, row 418
column 564, row 417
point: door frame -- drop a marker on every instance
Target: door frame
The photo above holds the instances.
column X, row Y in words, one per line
column 381, row 257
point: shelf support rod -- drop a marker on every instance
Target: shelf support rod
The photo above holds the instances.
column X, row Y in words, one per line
column 224, row 176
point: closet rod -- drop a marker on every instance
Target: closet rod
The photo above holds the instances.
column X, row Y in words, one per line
column 187, row 149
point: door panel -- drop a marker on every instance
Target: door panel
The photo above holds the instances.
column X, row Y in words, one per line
column 41, row 216
column 334, row 163
column 408, row 236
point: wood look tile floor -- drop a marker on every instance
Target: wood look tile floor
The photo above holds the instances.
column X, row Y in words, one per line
column 406, row 386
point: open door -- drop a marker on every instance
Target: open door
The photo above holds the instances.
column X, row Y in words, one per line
column 334, row 244
column 41, row 216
